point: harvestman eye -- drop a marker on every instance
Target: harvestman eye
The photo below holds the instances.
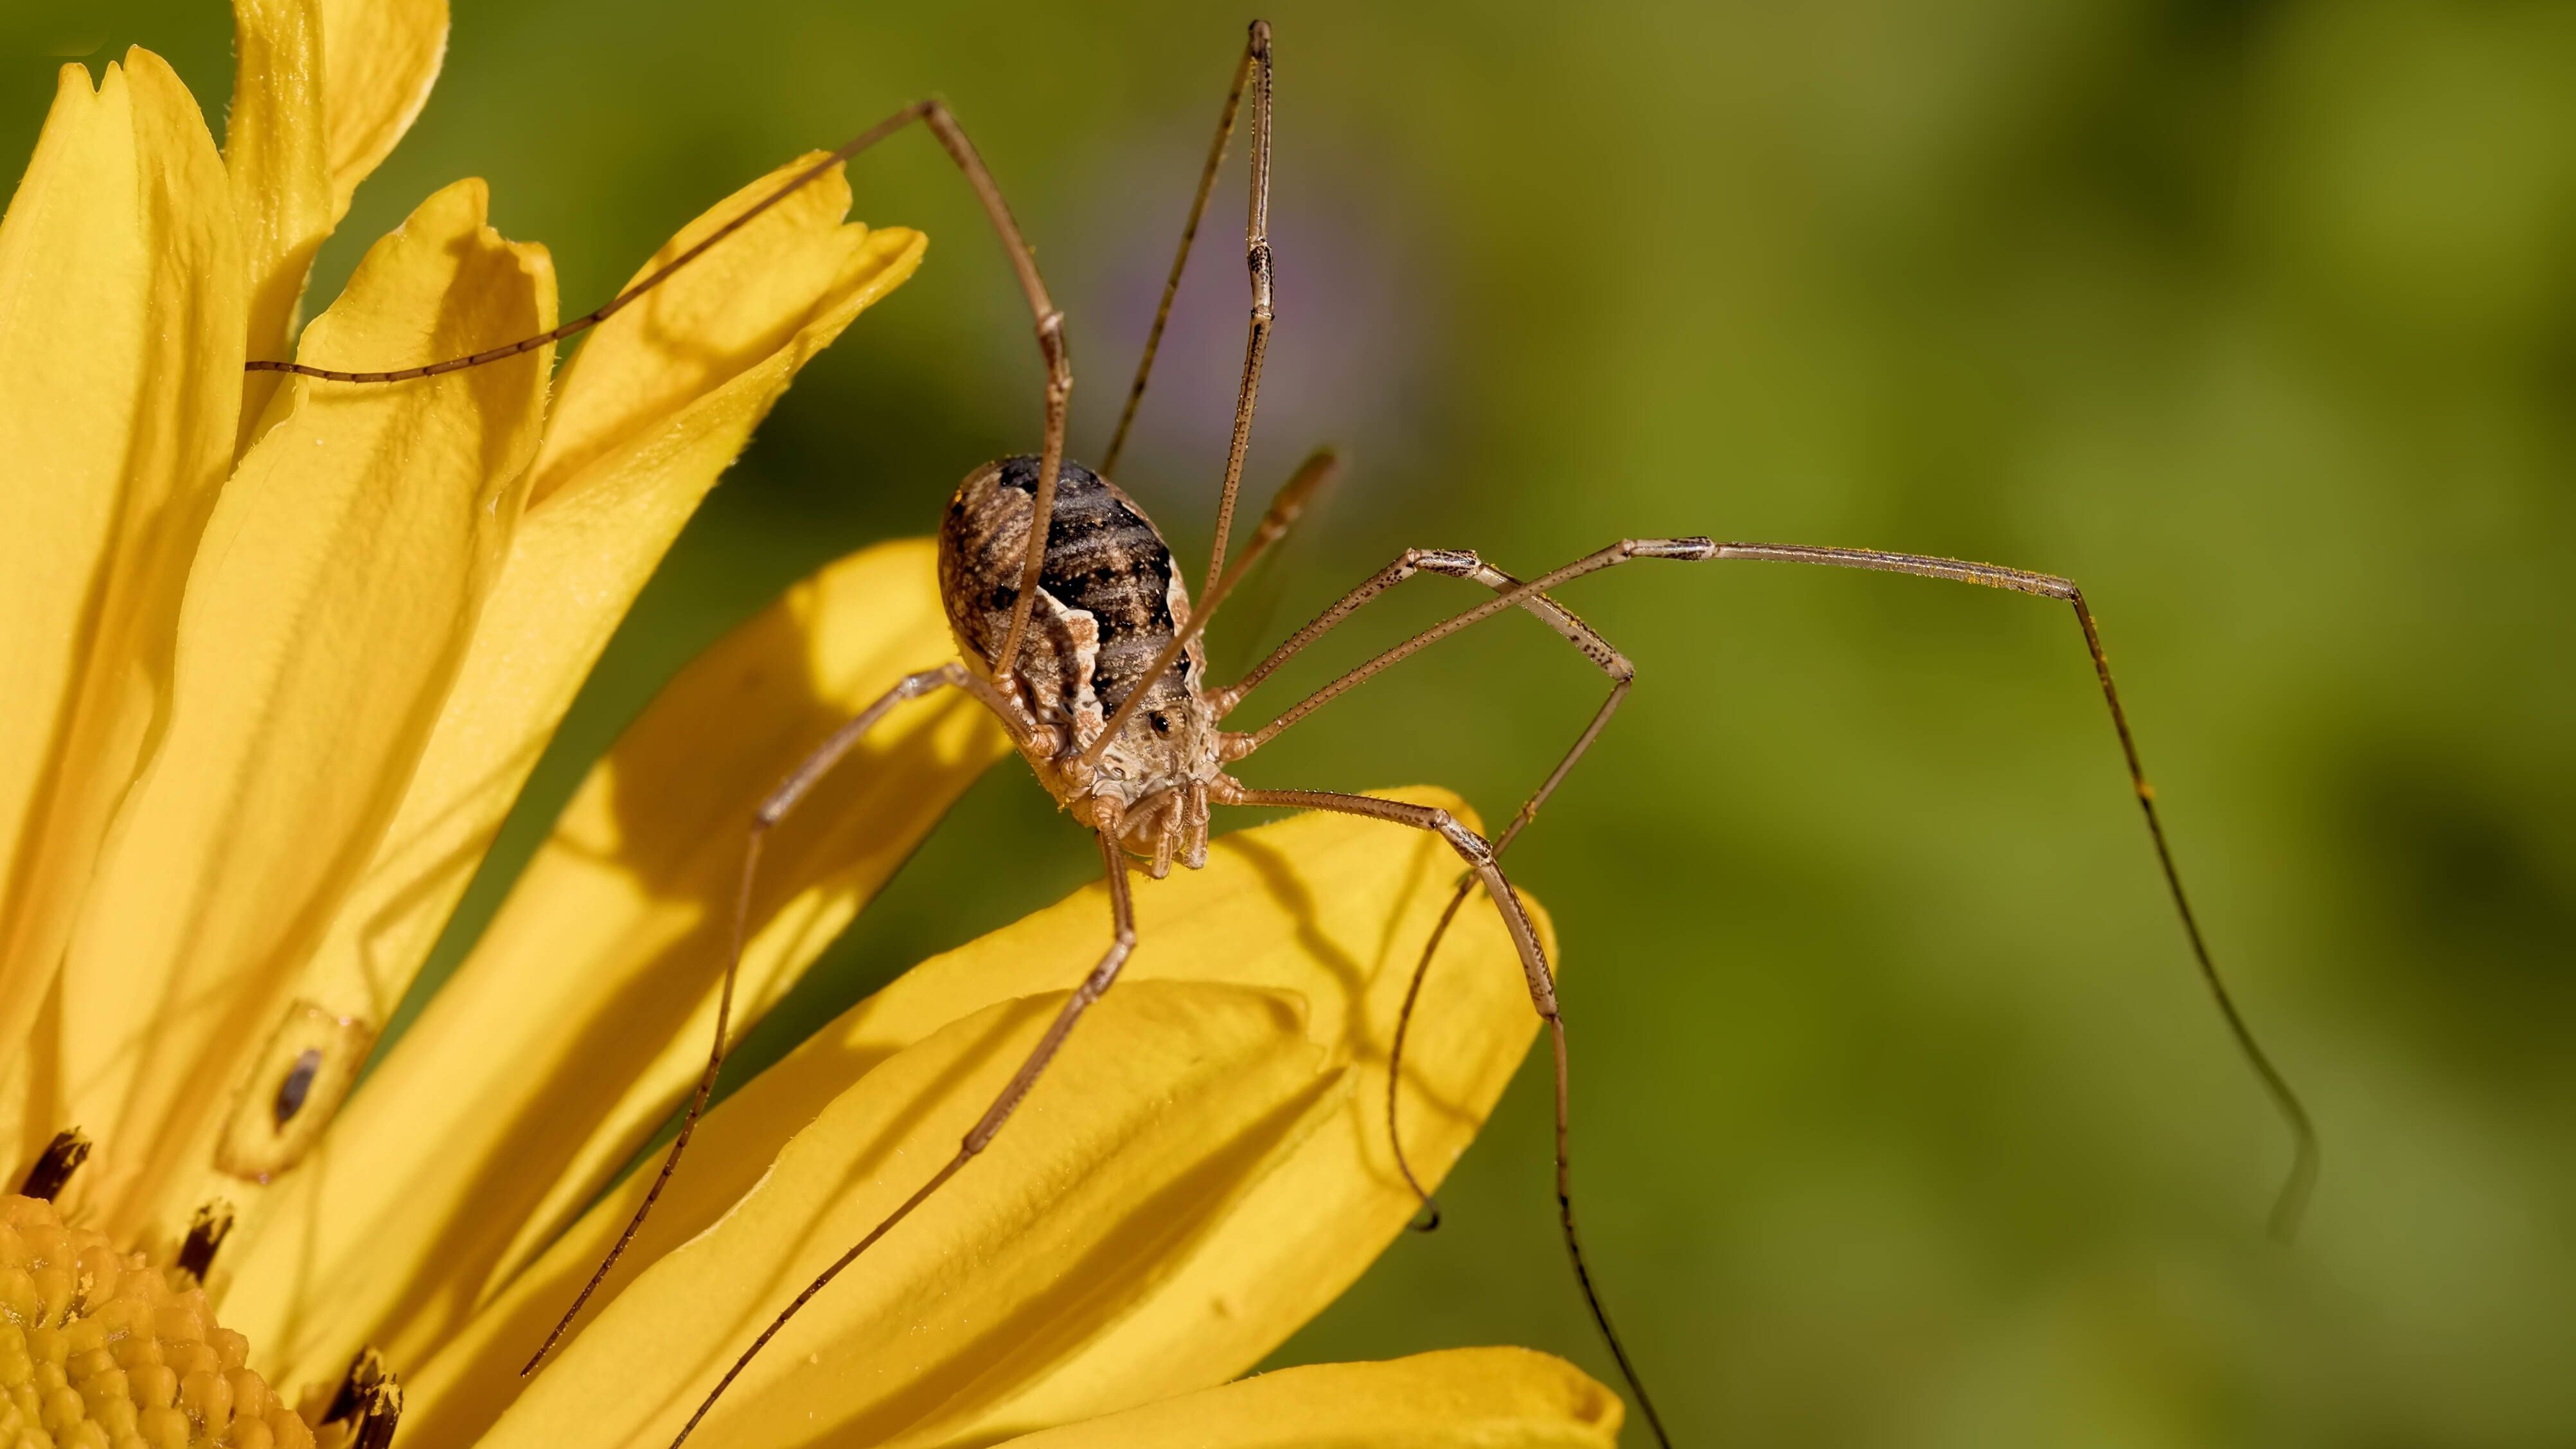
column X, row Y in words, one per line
column 1071, row 635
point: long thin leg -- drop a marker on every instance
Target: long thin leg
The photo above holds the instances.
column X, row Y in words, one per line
column 2291, row 1202
column 780, row 803
column 1256, row 258
column 1430, row 1219
column 1620, row 681
column 1122, row 913
column 1052, row 348
column 1181, row 257
column 1479, row 858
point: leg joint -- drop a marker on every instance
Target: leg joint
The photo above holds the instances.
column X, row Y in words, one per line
column 1059, row 358
column 1465, row 841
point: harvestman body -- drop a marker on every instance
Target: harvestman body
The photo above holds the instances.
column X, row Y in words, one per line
column 1082, row 640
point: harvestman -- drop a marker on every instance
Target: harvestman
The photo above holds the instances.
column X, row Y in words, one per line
column 1104, row 689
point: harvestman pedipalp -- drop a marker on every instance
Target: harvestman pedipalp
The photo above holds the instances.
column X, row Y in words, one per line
column 1104, row 689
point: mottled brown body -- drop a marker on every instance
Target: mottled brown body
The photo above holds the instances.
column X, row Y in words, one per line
column 1110, row 603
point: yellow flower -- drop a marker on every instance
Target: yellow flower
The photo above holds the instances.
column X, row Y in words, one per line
column 279, row 657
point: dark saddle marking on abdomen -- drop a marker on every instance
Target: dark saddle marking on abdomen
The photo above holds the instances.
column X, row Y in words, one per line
column 1104, row 558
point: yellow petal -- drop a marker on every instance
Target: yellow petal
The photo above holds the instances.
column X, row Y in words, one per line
column 583, row 1014
column 1329, row 907
column 380, row 57
column 277, row 146
column 660, row 400
column 761, row 302
column 1465, row 1398
column 30, row 1084
column 322, row 89
column 326, row 612
column 120, row 373
column 1166, row 1093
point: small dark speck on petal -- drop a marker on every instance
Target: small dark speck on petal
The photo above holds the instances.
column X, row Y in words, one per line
column 298, row 1084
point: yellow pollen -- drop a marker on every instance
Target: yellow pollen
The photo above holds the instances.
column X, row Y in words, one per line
column 99, row 1351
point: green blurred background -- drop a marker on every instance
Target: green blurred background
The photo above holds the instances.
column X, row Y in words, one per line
column 1901, row 1116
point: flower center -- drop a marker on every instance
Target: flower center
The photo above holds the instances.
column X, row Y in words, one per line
column 99, row 1350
